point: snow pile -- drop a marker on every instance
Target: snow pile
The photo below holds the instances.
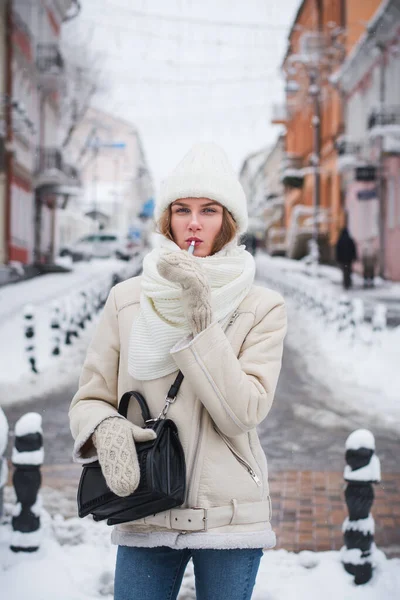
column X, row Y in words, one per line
column 76, row 561
column 17, row 382
column 360, row 366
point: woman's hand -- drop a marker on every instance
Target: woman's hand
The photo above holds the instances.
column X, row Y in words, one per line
column 115, row 440
column 180, row 268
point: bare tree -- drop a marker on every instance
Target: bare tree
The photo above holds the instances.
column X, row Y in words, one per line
column 83, row 81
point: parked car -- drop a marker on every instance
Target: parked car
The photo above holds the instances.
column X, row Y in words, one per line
column 102, row 245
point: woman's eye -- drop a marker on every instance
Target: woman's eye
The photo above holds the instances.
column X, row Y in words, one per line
column 182, row 210
column 210, row 210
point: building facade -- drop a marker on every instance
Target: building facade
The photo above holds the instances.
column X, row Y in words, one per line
column 35, row 165
column 274, row 209
column 369, row 153
column 115, row 176
column 322, row 34
column 3, row 63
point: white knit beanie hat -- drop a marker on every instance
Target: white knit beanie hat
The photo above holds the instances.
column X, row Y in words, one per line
column 205, row 172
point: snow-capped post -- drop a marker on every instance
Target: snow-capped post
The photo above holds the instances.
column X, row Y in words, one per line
column 55, row 325
column 357, row 315
column 71, row 329
column 3, row 461
column 27, row 456
column 362, row 470
column 29, row 332
column 82, row 310
column 379, row 318
column 344, row 313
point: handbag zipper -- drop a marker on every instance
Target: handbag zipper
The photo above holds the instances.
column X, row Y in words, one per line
column 240, row 458
column 232, row 319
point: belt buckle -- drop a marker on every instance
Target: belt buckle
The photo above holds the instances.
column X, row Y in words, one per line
column 205, row 518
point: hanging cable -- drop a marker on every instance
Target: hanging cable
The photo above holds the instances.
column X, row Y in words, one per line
column 196, row 21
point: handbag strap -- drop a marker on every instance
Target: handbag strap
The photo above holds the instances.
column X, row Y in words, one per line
column 124, row 404
column 169, row 399
column 171, row 396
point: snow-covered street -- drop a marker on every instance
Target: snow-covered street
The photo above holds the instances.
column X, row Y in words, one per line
column 305, row 430
column 358, row 367
column 76, row 562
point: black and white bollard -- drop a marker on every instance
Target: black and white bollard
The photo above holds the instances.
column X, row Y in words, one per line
column 357, row 316
column 82, row 310
column 344, row 313
column 55, row 326
column 3, row 461
column 71, row 327
column 29, row 332
column 27, row 457
column 362, row 470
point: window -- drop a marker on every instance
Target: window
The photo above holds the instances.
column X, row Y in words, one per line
column 108, row 238
column 88, row 238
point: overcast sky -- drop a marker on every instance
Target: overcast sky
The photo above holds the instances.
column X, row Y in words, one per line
column 184, row 71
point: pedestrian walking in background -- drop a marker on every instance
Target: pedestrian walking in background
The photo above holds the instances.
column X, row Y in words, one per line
column 203, row 315
column 369, row 260
column 346, row 254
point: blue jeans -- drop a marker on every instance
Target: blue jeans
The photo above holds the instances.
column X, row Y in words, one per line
column 157, row 573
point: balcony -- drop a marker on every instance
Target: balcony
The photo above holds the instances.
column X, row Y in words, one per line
column 53, row 173
column 384, row 121
column 292, row 171
column 50, row 64
column 349, row 153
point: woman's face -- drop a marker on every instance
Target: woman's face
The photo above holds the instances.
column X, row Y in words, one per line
column 196, row 218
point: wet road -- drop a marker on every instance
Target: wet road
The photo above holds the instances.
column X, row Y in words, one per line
column 302, row 430
column 305, row 430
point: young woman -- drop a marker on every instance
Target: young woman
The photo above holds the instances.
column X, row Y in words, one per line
column 201, row 314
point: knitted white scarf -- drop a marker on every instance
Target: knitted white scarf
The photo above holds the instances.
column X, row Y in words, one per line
column 161, row 322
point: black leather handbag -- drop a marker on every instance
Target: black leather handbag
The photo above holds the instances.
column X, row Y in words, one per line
column 162, row 483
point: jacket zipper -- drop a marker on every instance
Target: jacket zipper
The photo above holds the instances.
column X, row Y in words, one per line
column 240, row 458
column 232, row 319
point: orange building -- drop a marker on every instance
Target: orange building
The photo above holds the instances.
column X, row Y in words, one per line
column 323, row 33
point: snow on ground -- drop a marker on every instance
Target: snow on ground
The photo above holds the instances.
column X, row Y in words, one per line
column 331, row 277
column 17, row 382
column 76, row 562
column 363, row 378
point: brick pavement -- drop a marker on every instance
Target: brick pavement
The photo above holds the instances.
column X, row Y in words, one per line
column 308, row 510
column 308, row 507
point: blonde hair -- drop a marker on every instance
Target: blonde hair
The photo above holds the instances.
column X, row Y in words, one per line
column 227, row 233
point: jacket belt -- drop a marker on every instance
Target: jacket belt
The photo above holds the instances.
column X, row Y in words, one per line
column 202, row 519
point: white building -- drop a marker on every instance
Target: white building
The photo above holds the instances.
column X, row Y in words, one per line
column 114, row 172
column 274, row 207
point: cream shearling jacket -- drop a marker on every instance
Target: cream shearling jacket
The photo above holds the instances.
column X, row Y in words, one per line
column 230, row 376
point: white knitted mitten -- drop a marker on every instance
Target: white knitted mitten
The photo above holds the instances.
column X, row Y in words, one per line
column 115, row 439
column 181, row 268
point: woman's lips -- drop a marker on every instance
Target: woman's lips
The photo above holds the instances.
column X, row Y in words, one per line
column 196, row 242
